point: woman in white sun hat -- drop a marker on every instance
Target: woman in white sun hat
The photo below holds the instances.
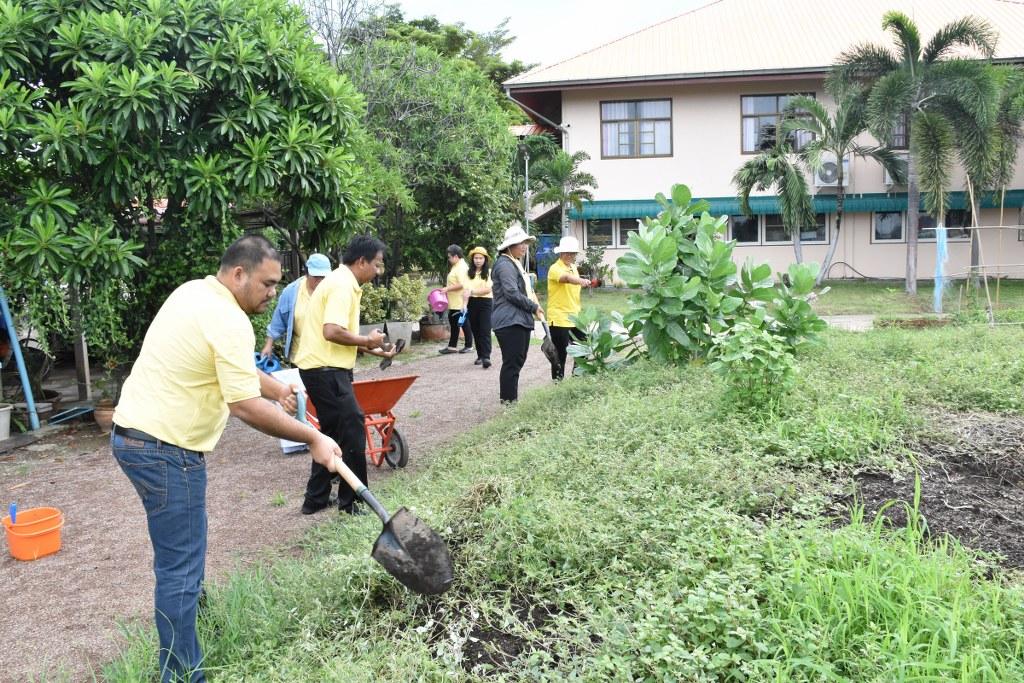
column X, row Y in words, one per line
column 564, row 283
column 515, row 308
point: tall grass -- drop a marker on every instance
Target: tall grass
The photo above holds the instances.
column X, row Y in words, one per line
column 637, row 527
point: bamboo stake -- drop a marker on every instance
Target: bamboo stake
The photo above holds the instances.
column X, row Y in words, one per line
column 1002, row 206
column 981, row 256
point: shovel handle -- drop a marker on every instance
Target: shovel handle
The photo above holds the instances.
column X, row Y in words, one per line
column 352, row 480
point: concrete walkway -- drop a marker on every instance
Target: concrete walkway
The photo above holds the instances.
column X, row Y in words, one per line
column 850, row 323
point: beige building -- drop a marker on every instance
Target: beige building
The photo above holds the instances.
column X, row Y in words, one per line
column 688, row 101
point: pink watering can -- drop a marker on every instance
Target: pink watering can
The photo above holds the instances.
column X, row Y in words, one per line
column 438, row 301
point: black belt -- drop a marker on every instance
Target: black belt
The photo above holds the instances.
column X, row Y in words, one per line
column 327, row 369
column 139, row 435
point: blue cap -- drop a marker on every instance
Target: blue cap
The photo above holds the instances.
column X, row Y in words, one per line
column 318, row 265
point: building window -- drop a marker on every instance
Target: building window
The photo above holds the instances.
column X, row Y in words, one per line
column 900, row 139
column 743, row 229
column 640, row 128
column 769, row 229
column 888, row 226
column 626, row 227
column 761, row 116
column 599, row 233
column 958, row 222
column 817, row 233
column 774, row 230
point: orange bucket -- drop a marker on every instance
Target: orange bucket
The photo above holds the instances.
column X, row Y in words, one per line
column 36, row 533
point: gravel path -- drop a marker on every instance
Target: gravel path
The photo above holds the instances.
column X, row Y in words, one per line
column 60, row 613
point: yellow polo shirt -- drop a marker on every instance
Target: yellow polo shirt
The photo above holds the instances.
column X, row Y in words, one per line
column 335, row 301
column 476, row 282
column 196, row 358
column 301, row 302
column 458, row 275
column 563, row 297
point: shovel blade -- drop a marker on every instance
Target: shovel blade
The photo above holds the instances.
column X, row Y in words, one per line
column 414, row 554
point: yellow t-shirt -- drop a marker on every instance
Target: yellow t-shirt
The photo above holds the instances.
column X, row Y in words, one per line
column 563, row 297
column 458, row 275
column 301, row 302
column 475, row 283
column 335, row 301
column 196, row 358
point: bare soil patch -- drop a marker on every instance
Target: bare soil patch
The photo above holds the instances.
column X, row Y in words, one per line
column 972, row 487
column 60, row 613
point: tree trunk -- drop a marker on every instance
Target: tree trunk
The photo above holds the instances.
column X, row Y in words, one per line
column 565, row 223
column 830, row 254
column 975, row 241
column 913, row 208
column 798, row 245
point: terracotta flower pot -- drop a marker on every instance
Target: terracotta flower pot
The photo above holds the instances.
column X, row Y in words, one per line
column 103, row 413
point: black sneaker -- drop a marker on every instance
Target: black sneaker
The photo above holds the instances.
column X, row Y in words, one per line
column 309, row 508
column 465, row 349
column 478, row 361
column 486, row 363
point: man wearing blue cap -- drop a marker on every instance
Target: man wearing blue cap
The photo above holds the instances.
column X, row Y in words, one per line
column 291, row 304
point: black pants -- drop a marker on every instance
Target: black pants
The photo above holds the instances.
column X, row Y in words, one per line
column 453, row 323
column 560, row 336
column 514, row 342
column 479, row 319
column 342, row 420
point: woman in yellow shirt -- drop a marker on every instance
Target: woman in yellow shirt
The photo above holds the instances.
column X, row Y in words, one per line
column 564, row 283
column 481, row 303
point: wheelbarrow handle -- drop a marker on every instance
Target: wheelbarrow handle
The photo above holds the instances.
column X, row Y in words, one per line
column 352, row 480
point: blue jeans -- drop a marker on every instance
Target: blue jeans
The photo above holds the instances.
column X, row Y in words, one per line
column 171, row 482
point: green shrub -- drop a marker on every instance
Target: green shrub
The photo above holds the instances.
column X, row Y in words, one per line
column 755, row 362
column 373, row 305
column 408, row 298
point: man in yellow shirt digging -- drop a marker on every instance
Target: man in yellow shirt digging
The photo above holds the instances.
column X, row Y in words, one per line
column 195, row 368
column 564, row 283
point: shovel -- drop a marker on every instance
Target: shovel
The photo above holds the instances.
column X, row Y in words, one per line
column 407, row 548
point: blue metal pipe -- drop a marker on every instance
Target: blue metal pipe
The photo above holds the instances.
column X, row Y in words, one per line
column 33, row 416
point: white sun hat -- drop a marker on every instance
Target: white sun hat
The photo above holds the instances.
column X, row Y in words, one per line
column 568, row 245
column 514, row 235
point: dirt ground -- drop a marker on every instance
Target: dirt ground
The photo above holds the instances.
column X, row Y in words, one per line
column 61, row 613
column 972, row 486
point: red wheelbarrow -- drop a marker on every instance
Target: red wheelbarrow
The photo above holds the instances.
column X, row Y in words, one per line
column 376, row 397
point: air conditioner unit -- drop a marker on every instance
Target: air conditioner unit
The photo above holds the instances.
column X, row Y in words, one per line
column 887, row 179
column 828, row 174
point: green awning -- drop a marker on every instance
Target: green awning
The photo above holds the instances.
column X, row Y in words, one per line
column 854, row 203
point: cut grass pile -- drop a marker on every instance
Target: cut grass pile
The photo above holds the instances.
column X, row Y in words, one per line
column 636, row 527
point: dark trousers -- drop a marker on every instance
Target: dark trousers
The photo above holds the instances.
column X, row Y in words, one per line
column 453, row 323
column 514, row 342
column 479, row 319
column 561, row 337
column 342, row 420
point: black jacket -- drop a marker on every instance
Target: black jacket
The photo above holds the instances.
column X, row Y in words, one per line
column 511, row 305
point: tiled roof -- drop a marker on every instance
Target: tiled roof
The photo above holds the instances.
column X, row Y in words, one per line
column 746, row 37
column 528, row 129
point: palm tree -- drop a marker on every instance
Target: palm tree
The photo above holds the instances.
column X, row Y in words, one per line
column 777, row 167
column 920, row 85
column 562, row 182
column 989, row 154
column 835, row 135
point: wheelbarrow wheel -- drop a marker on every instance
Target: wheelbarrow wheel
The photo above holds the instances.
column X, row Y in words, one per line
column 398, row 454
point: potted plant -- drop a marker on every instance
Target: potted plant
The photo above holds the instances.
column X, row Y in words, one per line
column 406, row 303
column 5, row 420
column 108, row 386
column 434, row 326
column 593, row 265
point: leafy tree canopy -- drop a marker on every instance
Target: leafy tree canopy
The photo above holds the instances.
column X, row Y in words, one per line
column 150, row 121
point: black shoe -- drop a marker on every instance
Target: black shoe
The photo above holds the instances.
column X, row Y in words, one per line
column 486, row 363
column 465, row 349
column 446, row 350
column 478, row 361
column 309, row 508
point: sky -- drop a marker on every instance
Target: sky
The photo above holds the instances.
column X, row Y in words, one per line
column 548, row 31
